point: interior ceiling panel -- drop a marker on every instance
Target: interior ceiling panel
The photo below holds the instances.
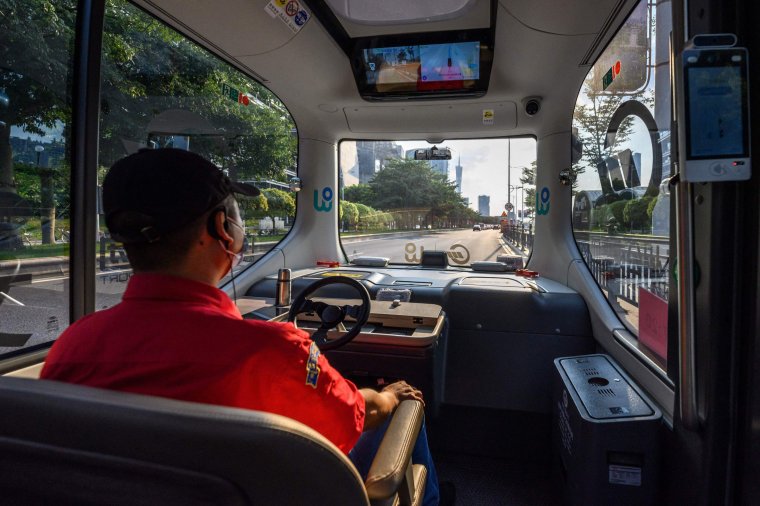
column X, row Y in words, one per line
column 477, row 16
column 322, row 95
column 433, row 118
column 390, row 12
column 567, row 18
column 237, row 27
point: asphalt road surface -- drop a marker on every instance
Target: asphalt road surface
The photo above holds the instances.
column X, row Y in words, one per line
column 463, row 246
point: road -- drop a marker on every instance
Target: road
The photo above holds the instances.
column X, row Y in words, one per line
column 36, row 311
column 464, row 246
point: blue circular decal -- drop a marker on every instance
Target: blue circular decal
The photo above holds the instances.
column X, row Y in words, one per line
column 327, row 194
column 545, row 195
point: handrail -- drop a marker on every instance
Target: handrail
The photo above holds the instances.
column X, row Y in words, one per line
column 686, row 348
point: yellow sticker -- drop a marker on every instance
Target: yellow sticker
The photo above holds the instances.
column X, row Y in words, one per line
column 488, row 116
column 357, row 275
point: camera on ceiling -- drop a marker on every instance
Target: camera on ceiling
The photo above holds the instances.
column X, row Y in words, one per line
column 532, row 105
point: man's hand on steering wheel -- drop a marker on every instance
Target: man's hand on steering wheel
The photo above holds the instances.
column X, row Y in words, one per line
column 332, row 316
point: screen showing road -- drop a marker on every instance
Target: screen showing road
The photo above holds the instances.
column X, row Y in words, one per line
column 450, row 62
column 423, row 63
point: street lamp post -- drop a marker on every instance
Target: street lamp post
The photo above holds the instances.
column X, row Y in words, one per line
column 509, row 171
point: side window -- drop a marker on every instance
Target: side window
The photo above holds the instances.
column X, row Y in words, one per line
column 36, row 48
column 159, row 89
column 621, row 202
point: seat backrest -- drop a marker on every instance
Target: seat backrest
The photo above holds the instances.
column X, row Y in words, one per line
column 70, row 444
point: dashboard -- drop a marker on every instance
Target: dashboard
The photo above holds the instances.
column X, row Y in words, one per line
column 482, row 339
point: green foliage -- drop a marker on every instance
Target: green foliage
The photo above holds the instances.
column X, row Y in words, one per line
column 616, row 210
column 150, row 72
column 629, row 215
column 636, row 216
column 360, row 193
column 415, row 195
column 147, row 70
column 254, row 206
column 349, row 213
column 278, row 203
column 28, row 183
column 600, row 217
column 528, row 180
column 37, row 37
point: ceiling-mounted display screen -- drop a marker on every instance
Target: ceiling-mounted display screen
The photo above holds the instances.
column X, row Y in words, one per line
column 423, row 66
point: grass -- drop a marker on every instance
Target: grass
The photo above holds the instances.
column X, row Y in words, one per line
column 33, row 228
column 38, row 251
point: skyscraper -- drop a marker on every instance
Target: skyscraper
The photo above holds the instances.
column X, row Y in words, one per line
column 369, row 153
column 484, row 205
column 458, row 170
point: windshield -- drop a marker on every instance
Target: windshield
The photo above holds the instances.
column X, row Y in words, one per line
column 476, row 206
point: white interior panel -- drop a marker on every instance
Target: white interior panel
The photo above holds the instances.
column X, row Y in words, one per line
column 567, row 18
column 433, row 118
column 238, row 27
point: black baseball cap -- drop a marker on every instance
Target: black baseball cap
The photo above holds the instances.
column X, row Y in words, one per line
column 154, row 192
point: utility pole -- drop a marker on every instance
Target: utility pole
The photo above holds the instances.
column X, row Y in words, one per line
column 509, row 171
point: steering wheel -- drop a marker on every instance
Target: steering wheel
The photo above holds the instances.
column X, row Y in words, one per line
column 332, row 316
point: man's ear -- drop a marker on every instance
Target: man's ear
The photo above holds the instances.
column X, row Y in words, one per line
column 220, row 228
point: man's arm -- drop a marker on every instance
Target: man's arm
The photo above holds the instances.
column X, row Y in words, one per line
column 380, row 405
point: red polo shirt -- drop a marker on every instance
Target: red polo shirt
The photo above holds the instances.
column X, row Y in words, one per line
column 178, row 338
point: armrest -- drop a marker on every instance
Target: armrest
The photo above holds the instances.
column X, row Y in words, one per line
column 392, row 462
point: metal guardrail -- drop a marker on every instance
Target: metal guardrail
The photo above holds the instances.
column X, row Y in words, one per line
column 623, row 264
column 520, row 237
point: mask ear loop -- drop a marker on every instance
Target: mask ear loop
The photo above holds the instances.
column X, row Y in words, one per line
column 235, row 258
column 233, row 264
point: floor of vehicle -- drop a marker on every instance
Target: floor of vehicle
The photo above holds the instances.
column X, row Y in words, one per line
column 495, row 457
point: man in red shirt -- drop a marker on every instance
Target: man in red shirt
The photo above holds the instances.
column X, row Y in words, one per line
column 176, row 335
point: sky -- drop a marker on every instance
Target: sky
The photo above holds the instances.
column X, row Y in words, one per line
column 484, row 163
column 51, row 134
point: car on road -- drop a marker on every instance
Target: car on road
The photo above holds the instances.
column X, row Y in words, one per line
column 476, row 227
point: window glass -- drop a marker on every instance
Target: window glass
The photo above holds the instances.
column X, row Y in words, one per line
column 473, row 199
column 159, row 90
column 621, row 202
column 36, row 42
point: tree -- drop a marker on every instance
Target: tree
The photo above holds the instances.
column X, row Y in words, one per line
column 411, row 184
column 366, row 215
column 360, row 193
column 253, row 206
column 148, row 69
column 349, row 213
column 279, row 203
column 528, row 180
column 37, row 37
column 592, row 119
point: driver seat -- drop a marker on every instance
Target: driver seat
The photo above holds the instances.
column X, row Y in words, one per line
column 74, row 445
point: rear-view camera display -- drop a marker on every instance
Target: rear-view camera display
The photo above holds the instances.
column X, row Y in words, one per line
column 423, row 64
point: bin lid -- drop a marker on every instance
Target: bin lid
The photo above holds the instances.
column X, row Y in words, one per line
column 605, row 392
